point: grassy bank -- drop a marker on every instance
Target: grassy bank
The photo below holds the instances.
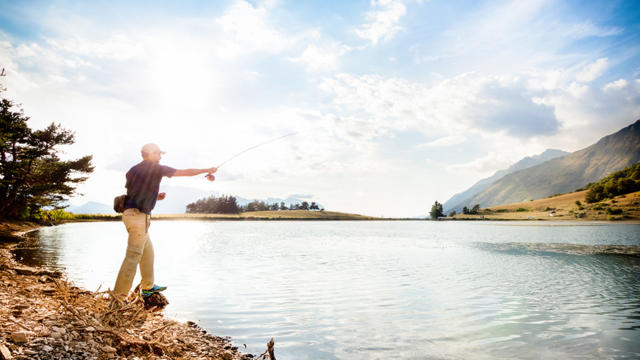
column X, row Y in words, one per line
column 571, row 206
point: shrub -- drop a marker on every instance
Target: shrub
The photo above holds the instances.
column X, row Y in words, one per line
column 611, row 211
column 521, row 209
column 501, row 210
column 55, row 215
column 578, row 203
column 618, row 183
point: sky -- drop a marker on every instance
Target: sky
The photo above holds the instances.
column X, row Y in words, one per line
column 395, row 104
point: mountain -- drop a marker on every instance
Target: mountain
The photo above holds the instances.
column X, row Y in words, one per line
column 91, row 207
column 459, row 200
column 565, row 174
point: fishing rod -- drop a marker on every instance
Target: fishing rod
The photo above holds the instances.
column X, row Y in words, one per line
column 210, row 177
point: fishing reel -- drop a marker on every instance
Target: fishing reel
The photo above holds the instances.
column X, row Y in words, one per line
column 210, row 177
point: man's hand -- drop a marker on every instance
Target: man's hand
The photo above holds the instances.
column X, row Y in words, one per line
column 161, row 196
column 212, row 170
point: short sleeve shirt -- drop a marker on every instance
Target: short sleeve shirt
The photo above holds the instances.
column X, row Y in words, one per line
column 143, row 185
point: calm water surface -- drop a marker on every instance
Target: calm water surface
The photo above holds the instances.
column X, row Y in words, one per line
column 381, row 290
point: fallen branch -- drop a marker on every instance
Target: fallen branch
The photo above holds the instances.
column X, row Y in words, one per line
column 268, row 352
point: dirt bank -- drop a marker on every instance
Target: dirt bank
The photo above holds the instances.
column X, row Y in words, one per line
column 43, row 316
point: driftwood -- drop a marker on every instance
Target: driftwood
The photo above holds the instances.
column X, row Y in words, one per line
column 269, row 352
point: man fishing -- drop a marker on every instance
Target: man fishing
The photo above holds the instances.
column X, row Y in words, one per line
column 143, row 185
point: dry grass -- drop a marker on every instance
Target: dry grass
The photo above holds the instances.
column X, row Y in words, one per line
column 564, row 207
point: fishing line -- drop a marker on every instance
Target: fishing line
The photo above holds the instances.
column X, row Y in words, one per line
column 211, row 177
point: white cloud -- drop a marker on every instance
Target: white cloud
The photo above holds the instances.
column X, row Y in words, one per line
column 247, row 29
column 577, row 90
column 593, row 70
column 383, row 20
column 316, row 57
column 614, row 85
column 444, row 141
column 467, row 102
column 488, row 163
column 588, row 29
column 596, row 112
column 117, row 46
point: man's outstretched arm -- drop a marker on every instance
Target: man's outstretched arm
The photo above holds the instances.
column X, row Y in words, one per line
column 194, row 172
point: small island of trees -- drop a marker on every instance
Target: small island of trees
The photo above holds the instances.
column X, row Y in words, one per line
column 228, row 204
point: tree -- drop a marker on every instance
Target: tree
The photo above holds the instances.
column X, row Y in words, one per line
column 215, row 205
column 475, row 209
column 465, row 210
column 283, row 206
column 313, row 206
column 452, row 213
column 304, row 206
column 32, row 175
column 436, row 211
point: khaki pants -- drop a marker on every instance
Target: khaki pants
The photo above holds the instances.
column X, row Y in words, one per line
column 139, row 251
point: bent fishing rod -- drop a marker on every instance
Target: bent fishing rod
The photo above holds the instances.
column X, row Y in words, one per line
column 210, row 177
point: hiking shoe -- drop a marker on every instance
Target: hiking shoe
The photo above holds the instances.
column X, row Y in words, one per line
column 154, row 289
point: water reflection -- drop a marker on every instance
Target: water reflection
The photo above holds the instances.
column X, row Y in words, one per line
column 383, row 290
column 30, row 252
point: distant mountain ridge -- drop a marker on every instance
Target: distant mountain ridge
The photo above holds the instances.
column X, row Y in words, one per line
column 91, row 207
column 565, row 174
column 459, row 200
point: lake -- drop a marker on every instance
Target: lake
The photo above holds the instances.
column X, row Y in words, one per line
column 381, row 289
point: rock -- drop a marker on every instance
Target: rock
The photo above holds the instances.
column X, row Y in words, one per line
column 47, row 348
column 56, row 335
column 19, row 337
column 5, row 354
column 227, row 355
column 156, row 299
column 108, row 349
column 89, row 329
